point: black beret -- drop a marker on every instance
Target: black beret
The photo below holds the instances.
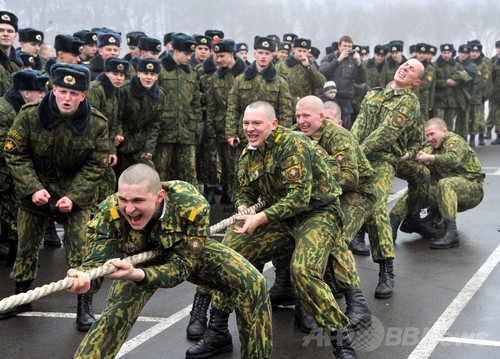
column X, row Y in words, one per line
column 315, row 51
column 30, row 35
column 214, row 34
column 88, row 37
column 202, row 40
column 167, row 37
column 67, row 43
column 382, row 50
column 465, row 48
column 284, row 46
column 422, row 48
column 149, row 44
column 133, row 37
column 303, row 43
column 148, row 64
column 8, row 18
column 447, row 47
column 396, row 45
column 241, row 46
column 74, row 77
column 224, row 45
column 264, row 43
column 289, row 37
column 27, row 59
column 114, row 64
column 108, row 38
column 183, row 42
column 29, row 80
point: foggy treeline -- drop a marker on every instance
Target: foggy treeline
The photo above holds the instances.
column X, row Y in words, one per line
column 368, row 22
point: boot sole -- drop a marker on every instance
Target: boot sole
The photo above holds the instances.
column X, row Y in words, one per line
column 383, row 296
column 360, row 253
column 364, row 323
column 225, row 349
column 445, row 247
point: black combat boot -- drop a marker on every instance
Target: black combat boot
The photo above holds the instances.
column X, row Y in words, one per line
column 358, row 246
column 225, row 198
column 84, row 312
column 216, row 339
column 356, row 309
column 198, row 321
column 210, row 195
column 413, row 223
column 304, row 320
column 342, row 345
column 385, row 279
column 395, row 222
column 50, row 237
column 21, row 287
column 329, row 279
column 481, row 139
column 472, row 140
column 487, row 136
column 11, row 256
column 282, row 291
column 496, row 141
column 450, row 238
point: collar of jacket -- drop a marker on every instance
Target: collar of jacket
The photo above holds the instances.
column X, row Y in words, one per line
column 170, row 65
column 108, row 87
column 140, row 91
column 97, row 63
column 13, row 57
column 291, row 61
column 392, row 64
column 238, row 68
column 209, row 65
column 477, row 61
column 269, row 73
column 15, row 99
column 441, row 62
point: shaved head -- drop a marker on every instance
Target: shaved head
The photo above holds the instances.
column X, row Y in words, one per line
column 140, row 173
column 313, row 102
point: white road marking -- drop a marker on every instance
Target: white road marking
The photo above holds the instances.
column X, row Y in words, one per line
column 490, row 343
column 427, row 345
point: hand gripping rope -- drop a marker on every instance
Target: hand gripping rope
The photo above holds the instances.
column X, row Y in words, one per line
column 66, row 283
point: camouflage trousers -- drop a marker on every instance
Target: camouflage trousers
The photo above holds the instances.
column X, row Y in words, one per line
column 217, row 267
column 462, row 121
column 31, row 228
column 310, row 238
column 447, row 114
column 108, row 184
column 174, row 161
column 226, row 157
column 129, row 159
column 477, row 122
column 418, row 177
column 206, row 162
column 493, row 119
column 377, row 225
column 8, row 213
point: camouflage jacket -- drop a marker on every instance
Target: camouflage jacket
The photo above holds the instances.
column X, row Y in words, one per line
column 8, row 65
column 455, row 158
column 301, row 81
column 390, row 69
column 375, row 74
column 495, row 79
column 183, row 119
column 253, row 86
column 139, row 119
column 482, row 81
column 427, row 88
column 179, row 233
column 56, row 159
column 291, row 176
column 448, row 96
column 7, row 116
column 389, row 124
column 220, row 85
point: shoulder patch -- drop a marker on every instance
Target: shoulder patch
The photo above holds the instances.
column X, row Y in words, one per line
column 428, row 77
column 10, row 145
column 321, row 151
column 196, row 244
column 192, row 215
column 399, row 119
column 114, row 212
column 293, row 173
column 340, row 157
column 450, row 145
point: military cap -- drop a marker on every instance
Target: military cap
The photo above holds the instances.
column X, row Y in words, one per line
column 284, row 46
column 465, row 48
column 71, row 76
column 183, row 42
column 303, row 43
column 105, row 30
column 149, row 44
column 88, row 37
column 276, row 38
column 109, row 38
column 241, row 46
column 412, row 48
column 114, row 64
column 29, row 80
column 329, row 86
column 396, row 45
column 432, row 50
column 214, row 34
column 148, row 64
column 497, row 44
column 476, row 47
column 382, row 50
column 30, row 35
column 224, row 45
column 328, row 50
column 446, row 47
column 365, row 50
column 27, row 59
column 67, row 43
column 356, row 48
column 202, row 40
column 264, row 43
column 422, row 48
column 133, row 37
column 315, row 51
column 167, row 38
column 8, row 18
column 335, row 45
column 289, row 37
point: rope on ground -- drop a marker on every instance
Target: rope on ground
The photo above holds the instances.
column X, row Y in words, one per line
column 66, row 283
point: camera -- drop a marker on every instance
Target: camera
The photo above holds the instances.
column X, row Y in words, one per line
column 352, row 52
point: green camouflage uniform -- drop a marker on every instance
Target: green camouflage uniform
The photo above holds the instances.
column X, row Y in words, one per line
column 426, row 89
column 390, row 69
column 302, row 81
column 375, row 76
column 66, row 162
column 8, row 65
column 494, row 103
column 477, row 122
column 464, row 99
column 187, row 254
column 304, row 218
column 387, row 127
column 139, row 120
column 183, row 125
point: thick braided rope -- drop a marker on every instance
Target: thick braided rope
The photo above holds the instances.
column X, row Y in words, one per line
column 66, row 283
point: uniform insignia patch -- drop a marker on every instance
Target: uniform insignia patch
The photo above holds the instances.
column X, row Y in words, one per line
column 429, row 77
column 192, row 215
column 451, row 145
column 10, row 145
column 321, row 151
column 399, row 120
column 340, row 157
column 293, row 173
column 196, row 244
